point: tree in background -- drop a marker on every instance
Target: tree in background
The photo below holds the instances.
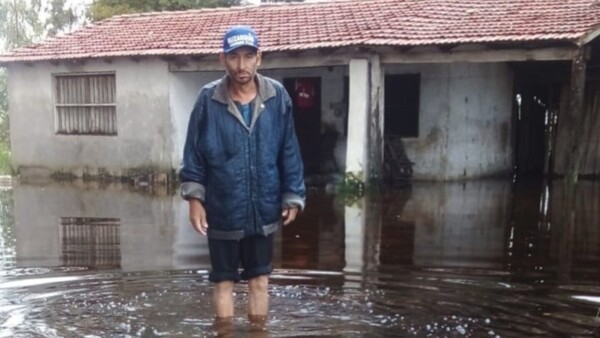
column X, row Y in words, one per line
column 62, row 17
column 20, row 23
column 102, row 9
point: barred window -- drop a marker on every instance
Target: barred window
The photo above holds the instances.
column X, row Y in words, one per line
column 85, row 104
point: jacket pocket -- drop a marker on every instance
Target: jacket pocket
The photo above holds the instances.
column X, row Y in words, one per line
column 269, row 210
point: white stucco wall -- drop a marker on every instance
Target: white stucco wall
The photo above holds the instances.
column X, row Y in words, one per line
column 143, row 122
column 184, row 88
column 464, row 120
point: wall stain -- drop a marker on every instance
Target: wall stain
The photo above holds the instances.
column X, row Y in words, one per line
column 433, row 139
column 504, row 135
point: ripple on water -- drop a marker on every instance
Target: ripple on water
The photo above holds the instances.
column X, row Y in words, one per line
column 177, row 304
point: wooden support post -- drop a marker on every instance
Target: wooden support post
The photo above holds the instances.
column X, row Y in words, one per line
column 575, row 134
column 576, row 117
column 375, row 120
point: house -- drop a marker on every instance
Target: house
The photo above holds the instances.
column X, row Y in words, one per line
column 459, row 88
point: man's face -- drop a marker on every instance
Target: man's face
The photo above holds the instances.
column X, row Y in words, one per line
column 241, row 64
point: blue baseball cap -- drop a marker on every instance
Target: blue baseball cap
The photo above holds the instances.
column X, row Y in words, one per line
column 239, row 36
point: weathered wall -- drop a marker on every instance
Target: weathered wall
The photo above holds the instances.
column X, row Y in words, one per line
column 590, row 140
column 184, row 88
column 464, row 120
column 143, row 123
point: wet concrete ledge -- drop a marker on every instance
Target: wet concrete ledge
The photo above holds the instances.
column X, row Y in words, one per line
column 150, row 179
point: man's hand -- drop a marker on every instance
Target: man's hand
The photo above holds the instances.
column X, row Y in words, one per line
column 198, row 216
column 289, row 215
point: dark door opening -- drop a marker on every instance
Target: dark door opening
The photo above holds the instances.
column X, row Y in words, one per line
column 402, row 93
column 536, row 101
column 402, row 105
column 306, row 98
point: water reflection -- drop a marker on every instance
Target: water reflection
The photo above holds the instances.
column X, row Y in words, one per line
column 482, row 258
column 454, row 224
column 109, row 227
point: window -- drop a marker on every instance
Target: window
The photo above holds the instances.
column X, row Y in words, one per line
column 85, row 104
column 402, row 104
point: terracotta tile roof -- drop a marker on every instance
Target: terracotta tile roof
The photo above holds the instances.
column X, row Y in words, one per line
column 301, row 26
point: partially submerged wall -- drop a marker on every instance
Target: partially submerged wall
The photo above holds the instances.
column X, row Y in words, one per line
column 464, row 120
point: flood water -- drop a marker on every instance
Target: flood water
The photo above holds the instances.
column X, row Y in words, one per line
column 475, row 259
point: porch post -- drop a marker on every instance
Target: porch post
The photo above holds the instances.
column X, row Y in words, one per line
column 375, row 131
column 577, row 116
column 356, row 146
column 576, row 140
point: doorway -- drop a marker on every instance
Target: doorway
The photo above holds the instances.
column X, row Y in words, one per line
column 306, row 99
column 536, row 100
column 402, row 93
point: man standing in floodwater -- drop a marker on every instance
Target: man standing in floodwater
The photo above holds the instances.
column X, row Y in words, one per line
column 242, row 172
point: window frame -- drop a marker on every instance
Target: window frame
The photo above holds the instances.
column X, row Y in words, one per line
column 57, row 105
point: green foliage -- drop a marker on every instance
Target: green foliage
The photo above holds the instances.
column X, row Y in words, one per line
column 5, row 163
column 4, row 122
column 20, row 22
column 61, row 17
column 352, row 188
column 23, row 22
column 353, row 183
column 102, row 9
column 8, row 247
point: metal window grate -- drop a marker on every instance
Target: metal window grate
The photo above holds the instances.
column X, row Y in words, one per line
column 85, row 104
column 92, row 242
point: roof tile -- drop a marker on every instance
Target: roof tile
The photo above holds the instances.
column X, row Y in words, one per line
column 284, row 27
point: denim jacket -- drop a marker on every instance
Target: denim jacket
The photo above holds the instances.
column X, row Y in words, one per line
column 243, row 175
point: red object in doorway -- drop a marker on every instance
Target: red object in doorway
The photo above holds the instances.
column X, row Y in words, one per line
column 304, row 93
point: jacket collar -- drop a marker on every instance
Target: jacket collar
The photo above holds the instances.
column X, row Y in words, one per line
column 266, row 90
